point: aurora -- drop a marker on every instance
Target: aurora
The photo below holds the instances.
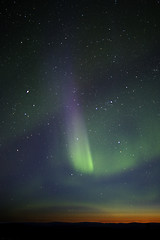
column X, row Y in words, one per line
column 80, row 111
column 79, row 149
column 78, row 144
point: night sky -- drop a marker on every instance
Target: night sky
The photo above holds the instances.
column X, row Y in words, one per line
column 80, row 110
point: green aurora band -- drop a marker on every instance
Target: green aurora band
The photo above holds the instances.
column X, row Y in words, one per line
column 79, row 149
column 132, row 137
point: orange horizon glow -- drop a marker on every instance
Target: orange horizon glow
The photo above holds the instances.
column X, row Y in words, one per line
column 99, row 218
column 118, row 214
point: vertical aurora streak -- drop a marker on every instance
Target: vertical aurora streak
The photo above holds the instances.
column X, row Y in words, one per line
column 77, row 139
column 79, row 149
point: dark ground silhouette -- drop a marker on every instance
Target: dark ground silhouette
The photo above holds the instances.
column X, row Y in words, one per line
column 9, row 231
